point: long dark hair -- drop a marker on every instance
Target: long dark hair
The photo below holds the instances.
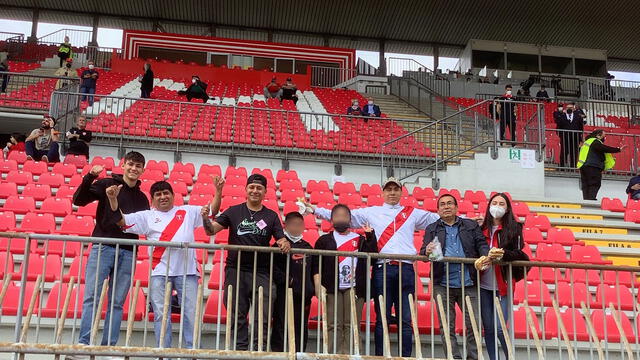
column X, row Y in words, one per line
column 511, row 228
column 595, row 133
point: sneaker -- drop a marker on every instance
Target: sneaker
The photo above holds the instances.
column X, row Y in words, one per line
column 44, row 158
column 29, row 157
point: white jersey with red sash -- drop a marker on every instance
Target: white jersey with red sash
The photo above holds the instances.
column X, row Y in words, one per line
column 177, row 225
column 394, row 225
column 346, row 265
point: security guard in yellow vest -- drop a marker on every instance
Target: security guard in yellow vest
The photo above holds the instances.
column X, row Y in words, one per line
column 64, row 51
column 595, row 157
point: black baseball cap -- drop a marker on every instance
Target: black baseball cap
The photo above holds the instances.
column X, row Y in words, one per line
column 257, row 179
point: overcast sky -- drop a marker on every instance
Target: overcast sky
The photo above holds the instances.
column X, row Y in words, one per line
column 113, row 38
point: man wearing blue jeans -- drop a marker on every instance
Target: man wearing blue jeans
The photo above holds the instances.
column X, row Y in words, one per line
column 175, row 267
column 102, row 259
column 88, row 80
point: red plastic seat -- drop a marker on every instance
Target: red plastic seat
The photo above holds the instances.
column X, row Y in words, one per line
column 620, row 277
column 286, row 175
column 142, row 272
column 290, row 184
column 614, row 204
column 339, row 188
column 19, row 177
column 235, row 171
column 475, row 197
column 568, row 316
column 66, row 170
column 620, row 296
column 7, row 221
column 535, row 293
column 6, row 261
column 215, row 308
column 532, row 235
column 520, row 209
column 551, row 252
column 10, row 302
column 106, row 162
column 49, row 267
column 88, row 210
column 214, row 278
column 612, row 333
column 318, row 197
column 56, row 206
column 75, row 270
column 37, row 191
column 428, row 318
column 188, row 168
column 546, row 274
column 18, row 156
column 8, row 189
column 152, row 175
column 161, row 165
column 322, row 185
column 571, row 295
column 51, row 179
column 78, row 161
column 35, row 167
column 561, row 236
column 38, row 223
column 20, row 204
column 588, row 254
column 7, row 166
column 538, row 221
column 589, row 277
column 522, row 329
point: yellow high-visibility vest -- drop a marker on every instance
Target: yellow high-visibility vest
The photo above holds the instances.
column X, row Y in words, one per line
column 609, row 160
column 65, row 48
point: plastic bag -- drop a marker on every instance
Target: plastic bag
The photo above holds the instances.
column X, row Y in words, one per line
column 436, row 254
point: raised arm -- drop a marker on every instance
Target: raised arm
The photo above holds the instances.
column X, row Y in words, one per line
column 89, row 192
column 212, row 227
column 115, row 215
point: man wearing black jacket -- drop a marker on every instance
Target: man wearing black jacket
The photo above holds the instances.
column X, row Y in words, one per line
column 571, row 125
column 102, row 259
column 461, row 238
column 146, row 82
column 299, row 279
column 338, row 297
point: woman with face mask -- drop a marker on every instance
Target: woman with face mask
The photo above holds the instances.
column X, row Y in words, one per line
column 352, row 275
column 504, row 235
column 354, row 109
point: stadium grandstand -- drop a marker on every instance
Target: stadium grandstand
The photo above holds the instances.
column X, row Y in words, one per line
column 222, row 111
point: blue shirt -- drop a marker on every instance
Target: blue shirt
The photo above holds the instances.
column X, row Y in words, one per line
column 453, row 248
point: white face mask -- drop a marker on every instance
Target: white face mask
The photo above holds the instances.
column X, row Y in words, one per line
column 91, row 67
column 355, row 105
column 193, row 81
column 508, row 92
column 370, row 102
column 497, row 211
column 294, row 239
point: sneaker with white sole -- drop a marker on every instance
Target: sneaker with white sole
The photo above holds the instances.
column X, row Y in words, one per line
column 44, row 158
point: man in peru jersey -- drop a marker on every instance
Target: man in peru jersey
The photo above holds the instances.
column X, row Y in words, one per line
column 173, row 266
column 395, row 225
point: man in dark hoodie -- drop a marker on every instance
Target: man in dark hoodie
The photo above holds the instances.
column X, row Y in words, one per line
column 299, row 279
column 338, row 294
column 102, row 259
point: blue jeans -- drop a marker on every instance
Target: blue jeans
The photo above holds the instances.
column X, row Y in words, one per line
column 636, row 197
column 90, row 91
column 108, row 268
column 391, row 300
column 53, row 154
column 490, row 322
column 190, row 288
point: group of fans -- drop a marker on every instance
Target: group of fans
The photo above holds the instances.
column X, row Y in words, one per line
column 123, row 212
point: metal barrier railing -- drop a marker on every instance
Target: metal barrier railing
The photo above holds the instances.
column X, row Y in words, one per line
column 41, row 303
column 11, row 36
column 32, row 92
column 326, row 76
column 611, row 89
column 78, row 38
column 410, row 68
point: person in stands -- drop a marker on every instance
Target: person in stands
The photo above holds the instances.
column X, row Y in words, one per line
column 197, row 90
column 88, row 82
column 79, row 138
column 42, row 143
column 16, row 143
column 542, row 94
column 354, row 109
column 300, row 281
column 504, row 236
column 507, row 110
column 289, row 90
column 395, row 225
column 371, row 109
column 65, row 71
column 173, row 267
column 595, row 157
column 4, row 67
column 634, row 188
column 454, row 281
column 250, row 223
column 108, row 260
column 570, row 125
column 353, row 275
column 65, row 51
column 146, row 81
column 273, row 90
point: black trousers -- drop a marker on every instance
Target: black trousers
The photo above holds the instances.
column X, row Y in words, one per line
column 569, row 148
column 591, row 178
column 300, row 313
column 511, row 123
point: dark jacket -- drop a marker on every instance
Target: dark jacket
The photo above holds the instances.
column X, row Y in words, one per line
column 512, row 252
column 562, row 120
column 634, row 180
column 355, row 112
column 595, row 157
column 329, row 276
column 146, row 83
column 473, row 242
column 376, row 110
column 542, row 94
column 89, row 82
column 296, row 266
column 130, row 200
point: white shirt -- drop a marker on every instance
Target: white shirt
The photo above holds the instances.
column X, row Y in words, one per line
column 346, row 265
column 380, row 217
column 178, row 225
column 488, row 277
